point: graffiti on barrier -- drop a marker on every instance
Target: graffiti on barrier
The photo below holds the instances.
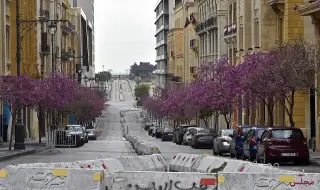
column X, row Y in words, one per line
column 47, row 180
column 171, row 185
column 301, row 182
column 266, row 183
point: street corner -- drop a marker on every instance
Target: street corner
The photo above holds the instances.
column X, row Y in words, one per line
column 6, row 154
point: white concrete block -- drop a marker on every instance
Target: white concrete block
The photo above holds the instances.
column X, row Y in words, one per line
column 261, row 181
column 161, row 180
column 159, row 162
column 174, row 162
column 17, row 178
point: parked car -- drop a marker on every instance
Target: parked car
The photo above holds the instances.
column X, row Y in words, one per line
column 76, row 130
column 186, row 139
column 283, row 144
column 181, row 131
column 167, row 133
column 155, row 131
column 92, row 134
column 250, row 143
column 238, row 137
column 221, row 144
column 151, row 128
column 202, row 137
column 147, row 126
column 86, row 136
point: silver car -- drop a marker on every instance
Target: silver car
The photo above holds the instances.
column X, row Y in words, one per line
column 92, row 134
column 221, row 144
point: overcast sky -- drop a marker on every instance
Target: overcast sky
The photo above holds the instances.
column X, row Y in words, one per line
column 124, row 33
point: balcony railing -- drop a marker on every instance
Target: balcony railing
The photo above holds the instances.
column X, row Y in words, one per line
column 65, row 55
column 209, row 23
column 67, row 27
column 230, row 30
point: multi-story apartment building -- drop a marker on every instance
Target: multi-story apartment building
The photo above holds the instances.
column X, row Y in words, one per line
column 162, row 26
column 87, row 7
column 5, row 57
column 212, row 20
column 190, row 42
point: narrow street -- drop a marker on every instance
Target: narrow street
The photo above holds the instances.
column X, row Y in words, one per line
column 111, row 143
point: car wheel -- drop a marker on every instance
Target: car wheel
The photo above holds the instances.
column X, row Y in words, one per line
column 265, row 159
column 195, row 146
column 251, row 156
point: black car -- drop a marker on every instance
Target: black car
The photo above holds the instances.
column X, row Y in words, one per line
column 78, row 131
column 167, row 133
column 147, row 126
column 181, row 131
column 92, row 134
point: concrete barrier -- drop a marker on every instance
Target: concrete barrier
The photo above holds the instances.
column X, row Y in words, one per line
column 18, row 178
column 257, row 181
column 140, row 147
column 161, row 180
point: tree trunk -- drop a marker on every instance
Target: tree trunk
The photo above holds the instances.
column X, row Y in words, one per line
column 270, row 105
column 289, row 108
column 13, row 115
column 206, row 121
column 216, row 122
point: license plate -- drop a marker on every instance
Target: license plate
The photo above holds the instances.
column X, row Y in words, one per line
column 288, row 154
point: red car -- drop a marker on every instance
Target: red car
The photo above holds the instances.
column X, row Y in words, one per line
column 283, row 144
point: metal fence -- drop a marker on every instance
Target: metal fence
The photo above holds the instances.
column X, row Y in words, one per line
column 60, row 138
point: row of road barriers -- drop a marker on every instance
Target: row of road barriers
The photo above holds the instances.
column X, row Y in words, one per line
column 85, row 175
column 141, row 147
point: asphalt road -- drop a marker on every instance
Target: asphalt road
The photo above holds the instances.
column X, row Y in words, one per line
column 169, row 149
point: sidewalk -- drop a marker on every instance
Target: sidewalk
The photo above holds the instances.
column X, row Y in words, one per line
column 32, row 146
column 315, row 158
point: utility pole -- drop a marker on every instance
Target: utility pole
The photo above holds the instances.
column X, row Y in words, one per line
column 19, row 127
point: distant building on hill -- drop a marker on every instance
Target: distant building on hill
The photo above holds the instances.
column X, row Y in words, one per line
column 143, row 70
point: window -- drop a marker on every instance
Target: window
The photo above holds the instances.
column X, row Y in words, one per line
column 256, row 33
column 241, row 37
column 286, row 134
column 8, row 49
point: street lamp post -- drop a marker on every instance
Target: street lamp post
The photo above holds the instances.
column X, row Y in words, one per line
column 52, row 29
column 19, row 127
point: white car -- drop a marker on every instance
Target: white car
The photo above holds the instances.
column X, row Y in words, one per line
column 186, row 140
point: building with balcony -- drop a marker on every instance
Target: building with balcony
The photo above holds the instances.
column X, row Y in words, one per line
column 5, row 57
column 191, row 51
column 310, row 12
column 162, row 26
column 212, row 20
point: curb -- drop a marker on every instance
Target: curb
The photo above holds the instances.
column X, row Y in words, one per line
column 23, row 153
column 314, row 162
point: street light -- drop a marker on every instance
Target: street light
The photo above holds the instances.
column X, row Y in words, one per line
column 52, row 29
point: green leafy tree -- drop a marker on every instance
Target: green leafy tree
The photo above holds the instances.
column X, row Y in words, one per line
column 205, row 114
column 103, row 76
column 141, row 91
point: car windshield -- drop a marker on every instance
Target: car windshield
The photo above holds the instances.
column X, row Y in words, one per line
column 286, row 134
column 227, row 132
column 90, row 130
column 245, row 131
column 74, row 128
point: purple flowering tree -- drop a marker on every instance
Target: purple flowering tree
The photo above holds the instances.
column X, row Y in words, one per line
column 53, row 93
column 17, row 93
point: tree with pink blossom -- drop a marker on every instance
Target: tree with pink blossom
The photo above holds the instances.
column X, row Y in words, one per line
column 17, row 93
column 53, row 93
column 86, row 104
column 217, row 90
